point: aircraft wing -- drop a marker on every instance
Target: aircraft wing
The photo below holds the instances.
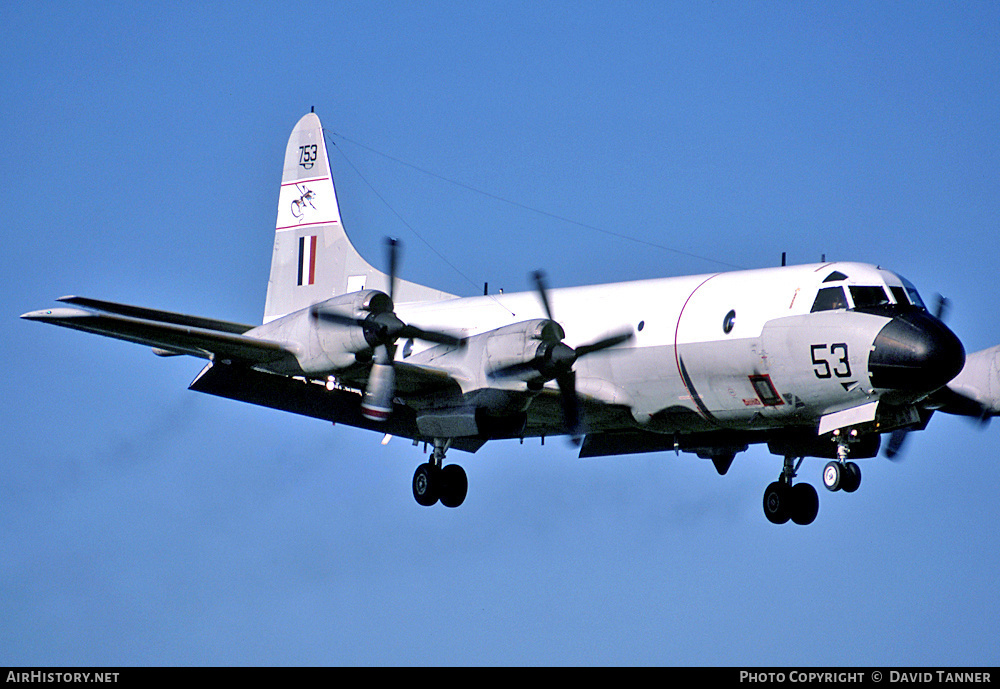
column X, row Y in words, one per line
column 311, row 399
column 168, row 333
column 156, row 315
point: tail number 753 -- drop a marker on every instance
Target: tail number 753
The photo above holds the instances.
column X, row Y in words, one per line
column 831, row 360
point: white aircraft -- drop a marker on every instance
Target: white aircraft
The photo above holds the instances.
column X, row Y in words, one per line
column 815, row 360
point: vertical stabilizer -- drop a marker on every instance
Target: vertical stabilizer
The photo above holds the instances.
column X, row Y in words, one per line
column 313, row 259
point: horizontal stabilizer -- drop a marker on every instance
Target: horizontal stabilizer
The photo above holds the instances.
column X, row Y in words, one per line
column 167, row 337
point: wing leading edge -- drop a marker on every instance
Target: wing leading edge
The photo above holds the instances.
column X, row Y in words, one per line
column 157, row 315
column 168, row 333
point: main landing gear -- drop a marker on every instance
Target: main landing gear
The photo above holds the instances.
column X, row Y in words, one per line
column 784, row 501
column 799, row 503
column 432, row 481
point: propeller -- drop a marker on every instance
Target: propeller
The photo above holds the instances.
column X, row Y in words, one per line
column 555, row 359
column 941, row 307
column 382, row 328
column 895, row 446
column 898, row 437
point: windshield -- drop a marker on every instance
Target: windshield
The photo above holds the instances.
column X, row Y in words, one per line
column 895, row 293
column 911, row 292
column 866, row 297
column 828, row 299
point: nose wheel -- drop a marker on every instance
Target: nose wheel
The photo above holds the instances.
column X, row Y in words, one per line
column 841, row 474
column 845, row 476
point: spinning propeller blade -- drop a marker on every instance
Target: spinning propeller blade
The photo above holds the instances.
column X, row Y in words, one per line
column 382, row 329
column 896, row 440
column 941, row 307
column 557, row 362
column 957, row 402
column 540, row 285
column 898, row 437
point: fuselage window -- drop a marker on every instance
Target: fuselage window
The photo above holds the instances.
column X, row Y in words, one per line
column 764, row 388
column 728, row 322
column 829, row 299
column 868, row 296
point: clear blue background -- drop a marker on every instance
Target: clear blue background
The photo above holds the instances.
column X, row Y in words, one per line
column 144, row 524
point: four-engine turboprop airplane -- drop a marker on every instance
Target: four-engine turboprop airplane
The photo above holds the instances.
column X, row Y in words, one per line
column 814, row 360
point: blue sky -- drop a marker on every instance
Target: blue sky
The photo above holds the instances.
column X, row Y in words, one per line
column 145, row 524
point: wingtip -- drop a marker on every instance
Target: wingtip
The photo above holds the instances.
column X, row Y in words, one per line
column 54, row 314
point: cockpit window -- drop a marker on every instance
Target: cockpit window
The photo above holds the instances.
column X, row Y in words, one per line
column 914, row 297
column 865, row 297
column 900, row 295
column 828, row 299
column 835, row 276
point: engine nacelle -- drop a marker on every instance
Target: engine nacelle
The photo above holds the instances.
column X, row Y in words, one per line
column 517, row 345
column 979, row 383
column 324, row 348
column 341, row 343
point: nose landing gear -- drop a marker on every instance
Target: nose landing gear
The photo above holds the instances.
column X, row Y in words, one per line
column 841, row 474
column 845, row 476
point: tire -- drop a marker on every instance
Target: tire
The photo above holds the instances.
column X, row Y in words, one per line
column 454, row 485
column 776, row 503
column 805, row 504
column 851, row 479
column 833, row 476
column 426, row 480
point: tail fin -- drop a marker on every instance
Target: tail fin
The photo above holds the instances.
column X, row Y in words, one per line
column 313, row 258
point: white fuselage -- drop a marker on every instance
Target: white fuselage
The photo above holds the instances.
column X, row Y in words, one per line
column 707, row 344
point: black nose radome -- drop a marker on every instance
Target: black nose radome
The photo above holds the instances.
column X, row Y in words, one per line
column 915, row 352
